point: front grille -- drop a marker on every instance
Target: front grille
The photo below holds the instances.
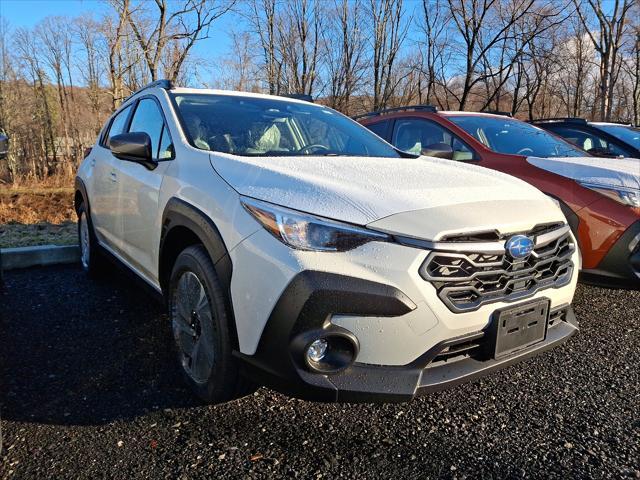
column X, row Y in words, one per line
column 557, row 316
column 478, row 345
column 492, row 235
column 461, row 349
column 466, row 280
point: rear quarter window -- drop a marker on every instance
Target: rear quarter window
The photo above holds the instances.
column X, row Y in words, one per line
column 380, row 128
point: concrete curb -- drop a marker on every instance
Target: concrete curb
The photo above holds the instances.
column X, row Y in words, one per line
column 25, row 257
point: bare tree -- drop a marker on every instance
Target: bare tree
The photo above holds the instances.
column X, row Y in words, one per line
column 55, row 42
column 59, row 81
column 635, row 75
column 28, row 53
column 432, row 47
column 389, row 32
column 344, row 48
column 114, row 33
column 298, row 41
column 238, row 70
column 262, row 16
column 87, row 31
column 176, row 30
column 607, row 41
column 485, row 25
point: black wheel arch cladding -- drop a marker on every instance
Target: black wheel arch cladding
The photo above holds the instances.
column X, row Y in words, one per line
column 179, row 214
column 80, row 196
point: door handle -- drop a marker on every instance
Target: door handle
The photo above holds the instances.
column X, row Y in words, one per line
column 113, row 176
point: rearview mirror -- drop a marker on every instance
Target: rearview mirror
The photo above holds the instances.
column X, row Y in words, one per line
column 438, row 150
column 133, row 147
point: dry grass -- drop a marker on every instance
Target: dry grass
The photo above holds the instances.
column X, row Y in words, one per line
column 36, row 212
column 29, row 182
column 36, row 206
column 21, row 235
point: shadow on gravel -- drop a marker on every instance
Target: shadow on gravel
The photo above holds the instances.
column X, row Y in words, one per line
column 82, row 352
column 97, row 354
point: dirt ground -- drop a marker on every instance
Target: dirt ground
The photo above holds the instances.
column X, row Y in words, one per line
column 36, row 216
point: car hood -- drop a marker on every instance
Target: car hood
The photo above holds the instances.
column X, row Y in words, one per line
column 608, row 172
column 364, row 190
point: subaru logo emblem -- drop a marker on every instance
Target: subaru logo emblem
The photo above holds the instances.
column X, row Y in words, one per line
column 519, row 246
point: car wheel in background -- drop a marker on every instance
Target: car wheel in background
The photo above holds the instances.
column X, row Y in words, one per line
column 91, row 256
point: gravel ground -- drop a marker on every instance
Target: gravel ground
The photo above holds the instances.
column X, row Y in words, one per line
column 88, row 389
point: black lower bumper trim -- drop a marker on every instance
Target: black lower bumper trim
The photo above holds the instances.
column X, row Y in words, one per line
column 620, row 268
column 378, row 383
column 307, row 305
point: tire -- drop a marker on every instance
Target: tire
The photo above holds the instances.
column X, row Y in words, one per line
column 200, row 324
column 91, row 255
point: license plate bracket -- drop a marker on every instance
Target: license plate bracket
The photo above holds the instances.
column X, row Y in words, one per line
column 518, row 327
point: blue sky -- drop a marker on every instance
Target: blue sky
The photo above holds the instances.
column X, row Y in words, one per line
column 27, row 13
column 30, row 12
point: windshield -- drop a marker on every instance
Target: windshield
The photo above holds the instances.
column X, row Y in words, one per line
column 627, row 134
column 270, row 127
column 504, row 135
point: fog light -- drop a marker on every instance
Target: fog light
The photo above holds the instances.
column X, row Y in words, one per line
column 317, row 350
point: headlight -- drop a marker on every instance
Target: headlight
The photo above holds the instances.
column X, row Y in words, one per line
column 624, row 195
column 307, row 232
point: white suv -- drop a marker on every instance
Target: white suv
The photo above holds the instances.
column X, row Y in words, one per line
column 298, row 250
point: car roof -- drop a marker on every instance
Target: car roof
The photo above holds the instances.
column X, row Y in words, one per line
column 393, row 113
column 473, row 114
column 577, row 121
column 235, row 93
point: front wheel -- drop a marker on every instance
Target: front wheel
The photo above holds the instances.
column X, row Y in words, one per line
column 201, row 328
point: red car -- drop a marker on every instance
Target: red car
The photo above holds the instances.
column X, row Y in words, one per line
column 599, row 196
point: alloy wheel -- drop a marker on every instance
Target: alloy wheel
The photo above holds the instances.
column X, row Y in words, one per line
column 192, row 325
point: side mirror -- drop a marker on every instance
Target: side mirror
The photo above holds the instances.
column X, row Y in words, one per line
column 133, row 147
column 438, row 150
column 601, row 152
column 4, row 146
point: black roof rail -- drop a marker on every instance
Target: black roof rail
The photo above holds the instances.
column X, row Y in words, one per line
column 426, row 108
column 578, row 120
column 163, row 83
column 498, row 112
column 298, row 96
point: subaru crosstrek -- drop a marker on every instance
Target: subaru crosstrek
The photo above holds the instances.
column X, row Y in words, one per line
column 298, row 250
column 599, row 196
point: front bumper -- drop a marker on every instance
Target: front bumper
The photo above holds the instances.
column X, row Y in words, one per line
column 620, row 267
column 305, row 309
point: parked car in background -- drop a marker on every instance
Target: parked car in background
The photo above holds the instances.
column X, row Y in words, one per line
column 599, row 196
column 4, row 144
column 300, row 251
column 602, row 139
